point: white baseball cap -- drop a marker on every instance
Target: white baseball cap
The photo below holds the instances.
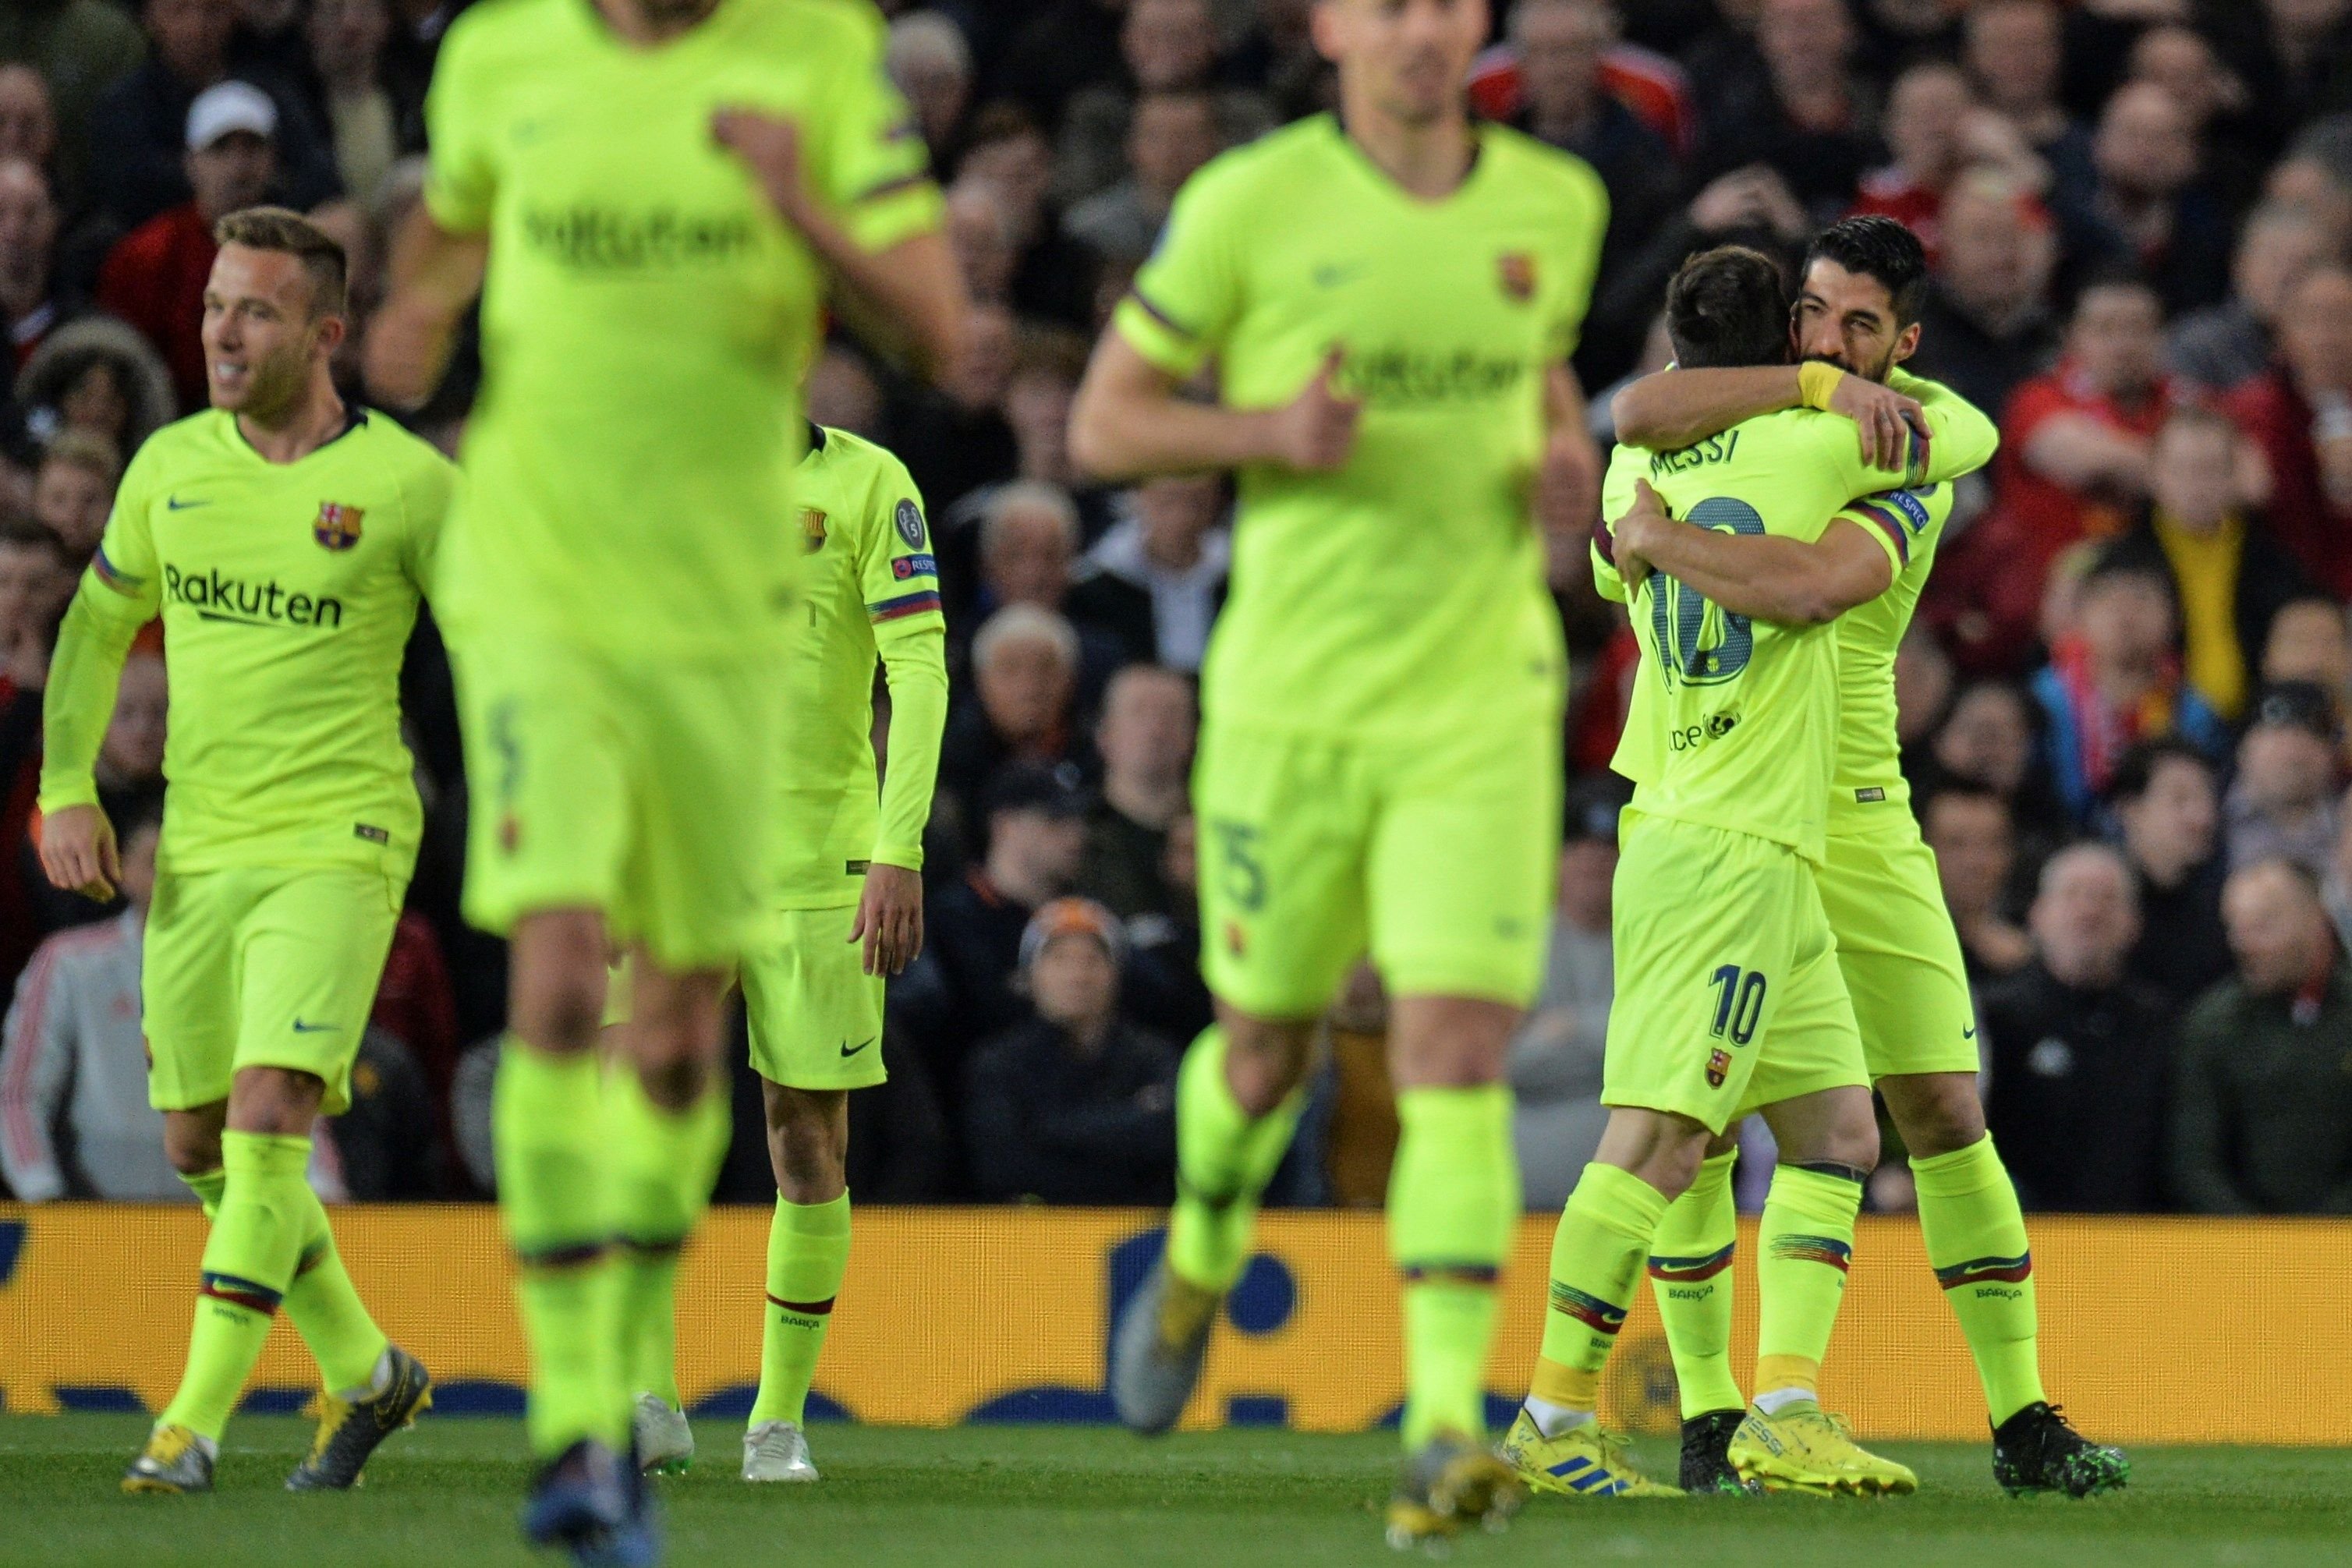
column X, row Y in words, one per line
column 227, row 106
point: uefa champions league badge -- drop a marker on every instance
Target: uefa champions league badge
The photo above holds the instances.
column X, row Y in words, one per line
column 910, row 518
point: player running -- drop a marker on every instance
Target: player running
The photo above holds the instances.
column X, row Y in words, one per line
column 1729, row 994
column 851, row 891
column 1391, row 295
column 1858, row 312
column 661, row 191
column 285, row 539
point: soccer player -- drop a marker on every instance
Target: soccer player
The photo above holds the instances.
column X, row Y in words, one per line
column 285, row 539
column 1729, row 994
column 1858, row 312
column 1390, row 293
column 655, row 196
column 851, row 893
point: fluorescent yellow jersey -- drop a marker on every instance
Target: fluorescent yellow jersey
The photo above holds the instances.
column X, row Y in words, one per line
column 647, row 315
column 871, row 589
column 1734, row 722
column 1405, row 591
column 287, row 593
column 1869, row 787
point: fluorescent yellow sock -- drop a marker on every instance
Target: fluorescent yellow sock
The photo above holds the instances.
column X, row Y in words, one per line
column 1691, row 1276
column 249, row 1261
column 1454, row 1192
column 1975, row 1233
column 665, row 1161
column 1596, row 1260
column 556, row 1196
column 1803, row 1248
column 808, row 1254
column 321, row 1302
column 1224, row 1157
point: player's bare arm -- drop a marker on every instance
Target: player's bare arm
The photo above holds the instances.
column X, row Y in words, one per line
column 435, row 275
column 79, row 853
column 905, row 301
column 1770, row 578
column 1129, row 421
column 1568, row 484
column 889, row 918
column 1670, row 409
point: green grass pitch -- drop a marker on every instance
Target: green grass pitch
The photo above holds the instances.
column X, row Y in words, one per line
column 444, row 1496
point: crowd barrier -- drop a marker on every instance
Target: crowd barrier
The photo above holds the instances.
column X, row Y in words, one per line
column 978, row 1315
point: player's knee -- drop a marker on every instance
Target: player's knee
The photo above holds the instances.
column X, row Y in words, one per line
column 192, row 1147
column 277, row 1101
column 674, row 1080
column 559, row 980
column 1937, row 1114
column 1266, row 1061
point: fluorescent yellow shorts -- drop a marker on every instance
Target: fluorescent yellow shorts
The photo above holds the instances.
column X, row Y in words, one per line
column 1437, row 858
column 1899, row 953
column 815, row 1013
column 640, row 788
column 262, row 966
column 1729, row 993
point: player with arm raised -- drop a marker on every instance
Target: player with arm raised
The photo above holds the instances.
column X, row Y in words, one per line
column 1857, row 320
column 663, row 193
column 1390, row 295
column 285, row 539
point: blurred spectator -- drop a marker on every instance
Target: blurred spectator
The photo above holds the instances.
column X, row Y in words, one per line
column 1969, row 829
column 2183, row 62
column 35, row 584
column 1066, row 45
column 30, row 302
column 2300, row 413
column 842, row 393
column 1936, row 132
column 2227, row 575
column 1145, row 737
column 154, row 278
column 1923, row 691
column 2117, row 683
column 29, row 121
column 1052, row 276
column 371, row 118
column 930, row 60
column 80, row 48
column 1804, row 115
column 1075, row 1105
column 1164, row 46
column 1171, row 134
column 2148, row 209
column 1988, row 740
column 1986, row 324
column 1028, row 550
column 2222, row 345
column 139, row 129
column 2016, row 51
column 2168, row 811
column 1024, row 677
column 1170, row 543
column 74, row 1116
column 96, row 375
column 1036, row 819
column 385, row 1142
column 980, row 232
column 130, row 776
column 1555, row 1061
column 2317, row 176
column 2310, row 641
column 2261, row 1109
column 2078, row 1050
column 955, row 439
column 2282, row 805
column 73, row 491
column 2301, row 66
column 1171, row 996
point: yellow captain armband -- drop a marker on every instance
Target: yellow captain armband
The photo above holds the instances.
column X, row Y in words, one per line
column 1817, row 382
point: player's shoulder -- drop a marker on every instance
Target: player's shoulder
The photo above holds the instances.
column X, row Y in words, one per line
column 850, row 26
column 191, row 436
column 1278, row 162
column 386, row 440
column 491, row 33
column 1537, row 170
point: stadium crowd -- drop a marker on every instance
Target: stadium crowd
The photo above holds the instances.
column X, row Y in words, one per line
column 2125, row 703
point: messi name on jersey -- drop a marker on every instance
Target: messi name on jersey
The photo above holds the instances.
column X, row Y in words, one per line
column 217, row 597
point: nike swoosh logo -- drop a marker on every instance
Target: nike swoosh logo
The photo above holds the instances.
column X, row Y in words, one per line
column 173, row 503
column 301, row 1028
column 849, row 1050
column 1969, row 1032
column 1332, row 276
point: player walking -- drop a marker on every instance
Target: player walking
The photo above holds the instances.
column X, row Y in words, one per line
column 285, row 539
column 1391, row 295
column 662, row 189
column 1866, row 281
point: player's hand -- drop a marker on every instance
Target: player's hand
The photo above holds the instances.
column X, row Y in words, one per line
column 769, row 146
column 889, row 918
column 1568, row 484
column 1316, row 430
column 79, row 853
column 1633, row 531
column 402, row 354
column 1885, row 418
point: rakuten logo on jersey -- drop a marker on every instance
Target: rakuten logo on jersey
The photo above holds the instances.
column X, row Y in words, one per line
column 217, row 597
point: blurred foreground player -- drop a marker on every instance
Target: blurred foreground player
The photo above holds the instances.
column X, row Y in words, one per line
column 285, row 539
column 1391, row 295
column 661, row 192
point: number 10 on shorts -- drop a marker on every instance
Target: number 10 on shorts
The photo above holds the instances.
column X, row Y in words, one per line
column 1739, row 1003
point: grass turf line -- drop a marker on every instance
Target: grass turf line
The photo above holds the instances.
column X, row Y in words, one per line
column 445, row 1494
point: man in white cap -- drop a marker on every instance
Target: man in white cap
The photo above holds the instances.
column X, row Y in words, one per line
column 154, row 277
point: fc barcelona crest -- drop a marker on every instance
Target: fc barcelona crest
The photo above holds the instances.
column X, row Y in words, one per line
column 811, row 530
column 1718, row 1068
column 338, row 526
column 1516, row 271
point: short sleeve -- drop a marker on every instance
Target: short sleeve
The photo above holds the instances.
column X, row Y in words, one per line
column 125, row 560
column 871, row 161
column 1587, row 224
column 461, row 179
column 897, row 572
column 1188, row 292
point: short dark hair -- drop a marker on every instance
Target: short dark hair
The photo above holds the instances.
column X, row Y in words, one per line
column 20, row 532
column 1953, row 787
column 2137, row 770
column 283, row 229
column 1728, row 306
column 1877, row 247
